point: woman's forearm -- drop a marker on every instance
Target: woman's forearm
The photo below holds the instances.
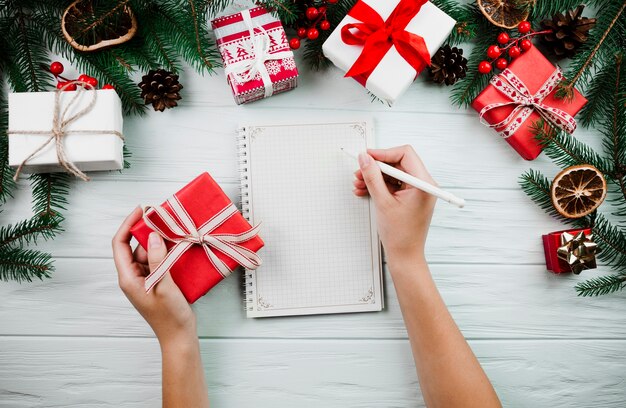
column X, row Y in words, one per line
column 449, row 373
column 183, row 374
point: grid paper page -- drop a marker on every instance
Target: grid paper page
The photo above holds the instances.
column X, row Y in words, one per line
column 321, row 251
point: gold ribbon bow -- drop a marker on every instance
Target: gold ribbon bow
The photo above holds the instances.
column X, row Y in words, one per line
column 579, row 251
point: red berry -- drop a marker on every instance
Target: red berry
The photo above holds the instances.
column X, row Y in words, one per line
column 294, row 43
column 503, row 38
column 514, row 51
column 526, row 44
column 331, row 1
column 301, row 32
column 62, row 84
column 56, row 68
column 484, row 67
column 83, row 78
column 312, row 34
column 493, row 51
column 107, row 86
column 322, row 9
column 325, row 25
column 524, row 27
column 92, row 81
column 501, row 63
column 312, row 13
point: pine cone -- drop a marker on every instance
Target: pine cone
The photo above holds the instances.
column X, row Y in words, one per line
column 448, row 64
column 569, row 32
column 160, row 88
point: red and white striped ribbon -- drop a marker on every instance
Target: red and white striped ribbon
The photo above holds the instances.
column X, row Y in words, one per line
column 510, row 85
column 183, row 232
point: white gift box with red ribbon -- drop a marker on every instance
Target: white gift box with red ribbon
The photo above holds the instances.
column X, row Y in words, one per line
column 393, row 74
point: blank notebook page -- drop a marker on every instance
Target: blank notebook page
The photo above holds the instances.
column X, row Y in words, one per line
column 321, row 251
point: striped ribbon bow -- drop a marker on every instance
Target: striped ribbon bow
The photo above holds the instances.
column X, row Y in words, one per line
column 184, row 233
column 245, row 70
column 525, row 103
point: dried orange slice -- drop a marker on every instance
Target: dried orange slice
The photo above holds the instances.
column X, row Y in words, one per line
column 90, row 25
column 578, row 190
column 505, row 13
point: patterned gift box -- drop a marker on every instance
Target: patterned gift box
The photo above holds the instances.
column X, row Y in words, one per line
column 256, row 54
column 523, row 94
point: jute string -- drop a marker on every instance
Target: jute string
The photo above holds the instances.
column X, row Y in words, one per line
column 59, row 128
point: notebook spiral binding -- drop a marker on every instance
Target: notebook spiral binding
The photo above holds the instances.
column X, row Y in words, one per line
column 244, row 198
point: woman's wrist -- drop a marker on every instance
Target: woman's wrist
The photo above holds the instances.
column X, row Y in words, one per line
column 406, row 261
column 180, row 336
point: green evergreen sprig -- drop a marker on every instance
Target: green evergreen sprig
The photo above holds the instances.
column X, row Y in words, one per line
column 602, row 285
column 19, row 263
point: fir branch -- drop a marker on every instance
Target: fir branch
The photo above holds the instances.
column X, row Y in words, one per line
column 50, row 192
column 547, row 8
column 537, row 187
column 197, row 21
column 602, row 285
column 20, row 264
column 286, row 11
column 612, row 241
column 7, row 185
column 609, row 16
column 465, row 91
column 566, row 150
column 601, row 92
column 465, row 16
column 29, row 231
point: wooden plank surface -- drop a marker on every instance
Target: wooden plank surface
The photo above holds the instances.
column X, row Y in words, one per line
column 75, row 341
column 487, row 301
column 114, row 372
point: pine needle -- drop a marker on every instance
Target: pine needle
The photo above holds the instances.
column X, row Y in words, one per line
column 602, row 285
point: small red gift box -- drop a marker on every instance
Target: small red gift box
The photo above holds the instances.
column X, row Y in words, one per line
column 533, row 69
column 257, row 58
column 551, row 243
column 202, row 201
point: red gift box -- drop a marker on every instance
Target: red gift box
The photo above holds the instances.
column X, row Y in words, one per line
column 552, row 242
column 241, row 53
column 193, row 271
column 533, row 69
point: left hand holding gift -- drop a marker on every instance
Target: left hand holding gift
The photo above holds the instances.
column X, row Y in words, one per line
column 164, row 308
column 168, row 313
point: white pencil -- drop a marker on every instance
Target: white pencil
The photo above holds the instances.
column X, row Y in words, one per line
column 414, row 181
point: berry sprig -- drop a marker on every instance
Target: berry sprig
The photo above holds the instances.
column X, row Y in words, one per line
column 314, row 20
column 511, row 47
column 56, row 69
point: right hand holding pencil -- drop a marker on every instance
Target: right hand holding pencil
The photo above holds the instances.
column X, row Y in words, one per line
column 403, row 212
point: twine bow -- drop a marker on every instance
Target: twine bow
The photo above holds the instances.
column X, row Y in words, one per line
column 579, row 251
column 60, row 122
column 183, row 232
column 247, row 69
column 525, row 103
column 378, row 36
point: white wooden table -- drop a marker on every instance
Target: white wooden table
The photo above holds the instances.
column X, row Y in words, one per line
column 75, row 341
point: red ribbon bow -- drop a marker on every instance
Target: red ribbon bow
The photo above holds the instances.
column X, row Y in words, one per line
column 377, row 37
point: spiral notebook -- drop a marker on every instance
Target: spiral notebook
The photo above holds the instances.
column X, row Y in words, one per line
column 322, row 253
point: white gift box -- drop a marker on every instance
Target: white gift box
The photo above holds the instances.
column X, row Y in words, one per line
column 393, row 75
column 34, row 112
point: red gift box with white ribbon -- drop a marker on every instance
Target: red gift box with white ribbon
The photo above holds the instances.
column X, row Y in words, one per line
column 523, row 94
column 256, row 54
column 206, row 236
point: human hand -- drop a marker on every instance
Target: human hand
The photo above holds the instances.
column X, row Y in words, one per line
column 164, row 308
column 403, row 212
